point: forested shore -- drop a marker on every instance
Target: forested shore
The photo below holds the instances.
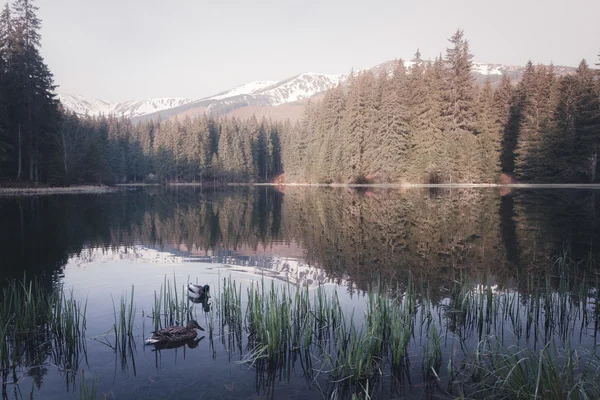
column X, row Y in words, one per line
column 423, row 122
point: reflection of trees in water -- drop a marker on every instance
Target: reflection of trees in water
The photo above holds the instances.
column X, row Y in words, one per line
column 551, row 222
column 387, row 233
column 364, row 234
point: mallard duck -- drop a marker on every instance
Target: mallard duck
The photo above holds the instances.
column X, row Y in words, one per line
column 175, row 334
column 198, row 291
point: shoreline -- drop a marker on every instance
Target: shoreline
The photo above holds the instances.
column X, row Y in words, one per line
column 436, row 185
column 89, row 189
column 34, row 191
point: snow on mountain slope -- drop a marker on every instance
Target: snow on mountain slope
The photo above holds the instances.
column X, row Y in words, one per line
column 248, row 88
column 299, row 87
column 133, row 109
column 130, row 109
column 82, row 106
column 487, row 69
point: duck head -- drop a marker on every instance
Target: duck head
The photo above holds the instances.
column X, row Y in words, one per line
column 194, row 325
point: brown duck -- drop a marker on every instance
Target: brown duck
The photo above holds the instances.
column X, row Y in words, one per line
column 175, row 334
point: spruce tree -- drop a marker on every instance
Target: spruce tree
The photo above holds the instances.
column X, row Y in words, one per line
column 356, row 125
column 507, row 117
column 34, row 109
column 488, row 136
column 528, row 138
column 460, row 111
column 390, row 150
column 428, row 163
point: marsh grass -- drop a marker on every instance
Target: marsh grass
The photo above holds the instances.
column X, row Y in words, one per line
column 552, row 372
column 124, row 323
column 88, row 392
column 398, row 329
column 39, row 326
column 171, row 305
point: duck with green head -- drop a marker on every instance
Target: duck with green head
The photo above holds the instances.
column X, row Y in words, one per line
column 195, row 290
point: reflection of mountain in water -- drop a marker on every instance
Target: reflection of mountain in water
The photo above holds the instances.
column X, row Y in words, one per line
column 289, row 270
column 140, row 254
column 292, row 270
column 354, row 236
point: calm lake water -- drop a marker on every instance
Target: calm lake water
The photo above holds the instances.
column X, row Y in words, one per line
column 342, row 239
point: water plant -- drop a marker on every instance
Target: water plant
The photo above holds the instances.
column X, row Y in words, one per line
column 36, row 323
column 171, row 306
column 124, row 319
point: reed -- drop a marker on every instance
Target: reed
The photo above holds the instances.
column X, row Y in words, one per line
column 124, row 319
column 550, row 373
column 171, row 306
column 88, row 392
column 37, row 323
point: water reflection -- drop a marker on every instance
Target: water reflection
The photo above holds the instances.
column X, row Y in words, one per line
column 451, row 242
column 354, row 236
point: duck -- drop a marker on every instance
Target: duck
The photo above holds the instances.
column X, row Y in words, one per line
column 175, row 334
column 198, row 290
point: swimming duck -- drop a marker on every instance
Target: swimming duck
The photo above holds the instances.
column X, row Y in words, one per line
column 175, row 334
column 198, row 291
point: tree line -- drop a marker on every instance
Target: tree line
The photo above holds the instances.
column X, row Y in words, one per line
column 113, row 150
column 428, row 123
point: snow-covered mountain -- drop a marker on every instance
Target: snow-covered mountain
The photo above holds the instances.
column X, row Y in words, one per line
column 248, row 88
column 129, row 109
column 299, row 87
column 258, row 95
column 82, row 106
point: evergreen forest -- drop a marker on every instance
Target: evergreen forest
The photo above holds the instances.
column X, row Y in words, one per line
column 427, row 121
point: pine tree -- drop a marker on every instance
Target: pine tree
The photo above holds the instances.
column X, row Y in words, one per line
column 34, row 110
column 356, row 126
column 428, row 163
column 460, row 111
column 390, row 149
column 528, row 139
column 488, row 136
column 6, row 35
column 576, row 145
column 507, row 117
column 537, row 127
column 332, row 113
column 460, row 96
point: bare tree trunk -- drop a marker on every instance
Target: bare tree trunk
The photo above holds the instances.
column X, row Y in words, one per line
column 37, row 160
column 594, row 164
column 30, row 165
column 64, row 144
column 20, row 155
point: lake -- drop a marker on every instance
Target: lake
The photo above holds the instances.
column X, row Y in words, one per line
column 516, row 269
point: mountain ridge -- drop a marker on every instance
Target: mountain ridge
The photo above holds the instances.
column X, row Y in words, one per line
column 259, row 95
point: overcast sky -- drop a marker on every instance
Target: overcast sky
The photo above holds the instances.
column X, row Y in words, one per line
column 119, row 50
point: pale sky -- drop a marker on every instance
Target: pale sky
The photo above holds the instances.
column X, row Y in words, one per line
column 119, row 50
